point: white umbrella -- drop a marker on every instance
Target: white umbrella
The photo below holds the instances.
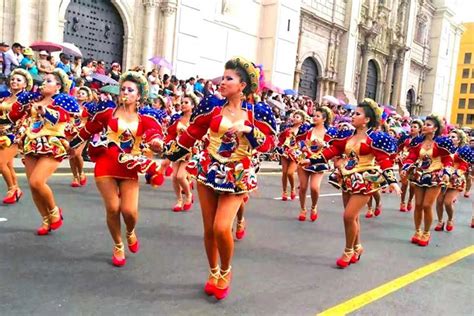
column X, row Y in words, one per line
column 71, row 49
column 330, row 99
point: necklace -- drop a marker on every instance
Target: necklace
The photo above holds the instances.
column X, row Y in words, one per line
column 230, row 111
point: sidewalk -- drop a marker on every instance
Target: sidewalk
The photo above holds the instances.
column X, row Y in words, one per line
column 266, row 166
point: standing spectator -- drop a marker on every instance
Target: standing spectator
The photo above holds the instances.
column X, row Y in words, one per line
column 28, row 62
column 199, row 87
column 17, row 51
column 100, row 67
column 115, row 71
column 10, row 61
column 190, row 86
column 88, row 69
column 43, row 64
column 208, row 89
column 154, row 81
column 76, row 67
column 64, row 63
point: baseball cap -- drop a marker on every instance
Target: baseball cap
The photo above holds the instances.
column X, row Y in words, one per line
column 3, row 44
column 28, row 51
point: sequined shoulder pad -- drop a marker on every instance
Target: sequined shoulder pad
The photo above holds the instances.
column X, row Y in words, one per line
column 66, row 102
column 445, row 143
column 156, row 114
column 102, row 106
column 264, row 115
column 403, row 137
column 90, row 107
column 417, row 140
column 305, row 127
column 383, row 142
column 466, row 153
column 343, row 134
column 174, row 118
column 26, row 97
column 331, row 131
column 206, row 106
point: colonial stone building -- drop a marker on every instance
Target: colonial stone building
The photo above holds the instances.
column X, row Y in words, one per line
column 399, row 52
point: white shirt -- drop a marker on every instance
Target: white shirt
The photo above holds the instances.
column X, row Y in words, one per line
column 9, row 59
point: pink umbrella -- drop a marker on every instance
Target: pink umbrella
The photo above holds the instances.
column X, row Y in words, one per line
column 162, row 62
column 47, row 46
column 217, row 80
column 269, row 86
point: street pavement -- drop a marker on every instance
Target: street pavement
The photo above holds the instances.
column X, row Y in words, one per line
column 282, row 267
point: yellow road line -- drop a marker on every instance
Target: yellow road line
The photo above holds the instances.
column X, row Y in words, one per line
column 375, row 294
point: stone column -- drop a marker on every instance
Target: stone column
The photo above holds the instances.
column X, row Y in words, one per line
column 389, row 80
column 398, row 81
column 168, row 10
column 50, row 21
column 363, row 72
column 149, row 31
column 21, row 32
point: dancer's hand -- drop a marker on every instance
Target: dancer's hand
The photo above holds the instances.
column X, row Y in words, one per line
column 403, row 173
column 304, row 162
column 395, row 188
column 156, row 145
column 39, row 108
column 240, row 129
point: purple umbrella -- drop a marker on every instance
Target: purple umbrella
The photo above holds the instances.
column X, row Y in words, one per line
column 104, row 79
column 161, row 61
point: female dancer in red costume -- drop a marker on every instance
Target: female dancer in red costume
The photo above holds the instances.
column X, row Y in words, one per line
column 178, row 124
column 117, row 166
column 20, row 81
column 288, row 143
column 403, row 149
column 315, row 139
column 428, row 161
column 44, row 143
column 223, row 169
column 84, row 98
column 462, row 159
column 366, row 168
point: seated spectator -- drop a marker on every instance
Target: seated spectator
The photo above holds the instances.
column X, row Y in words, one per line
column 28, row 62
column 100, row 69
column 43, row 64
column 154, row 81
column 208, row 89
column 88, row 69
column 64, row 63
column 76, row 67
column 115, row 71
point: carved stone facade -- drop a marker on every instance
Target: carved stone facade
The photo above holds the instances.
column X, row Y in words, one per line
column 386, row 49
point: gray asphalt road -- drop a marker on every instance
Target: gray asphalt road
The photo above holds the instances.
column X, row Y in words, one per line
column 282, row 267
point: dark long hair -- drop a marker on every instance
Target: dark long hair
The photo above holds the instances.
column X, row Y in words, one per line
column 244, row 77
column 370, row 113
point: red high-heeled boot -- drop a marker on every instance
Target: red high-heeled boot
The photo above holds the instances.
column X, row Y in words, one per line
column 424, row 239
column 210, row 285
column 116, row 260
column 188, row 204
column 345, row 260
column 45, row 227
column 449, row 226
column 439, row 227
column 358, row 250
column 378, row 210
column 13, row 196
column 222, row 292
column 133, row 247
column 56, row 213
column 314, row 214
column 302, row 215
column 241, row 228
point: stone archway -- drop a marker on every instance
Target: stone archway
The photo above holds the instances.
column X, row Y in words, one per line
column 411, row 102
column 372, row 80
column 309, row 83
column 96, row 27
